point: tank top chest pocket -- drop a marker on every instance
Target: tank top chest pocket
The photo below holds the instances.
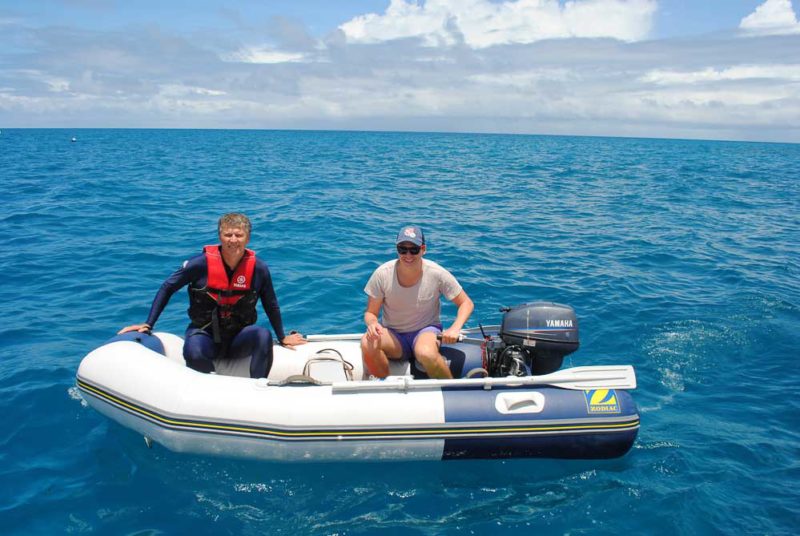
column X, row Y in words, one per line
column 426, row 298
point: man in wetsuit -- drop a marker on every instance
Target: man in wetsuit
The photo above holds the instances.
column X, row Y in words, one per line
column 226, row 282
column 408, row 291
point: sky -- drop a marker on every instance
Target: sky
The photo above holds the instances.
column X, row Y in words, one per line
column 697, row 69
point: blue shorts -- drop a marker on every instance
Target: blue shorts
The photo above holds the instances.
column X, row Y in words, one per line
column 409, row 339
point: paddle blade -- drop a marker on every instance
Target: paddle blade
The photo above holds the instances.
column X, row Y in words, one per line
column 592, row 377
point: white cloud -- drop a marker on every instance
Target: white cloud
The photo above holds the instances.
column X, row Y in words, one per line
column 717, row 86
column 54, row 84
column 523, row 79
column 772, row 17
column 180, row 90
column 483, row 23
column 726, row 102
column 740, row 72
column 401, row 20
column 264, row 54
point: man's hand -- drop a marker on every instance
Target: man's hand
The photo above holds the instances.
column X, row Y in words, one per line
column 374, row 331
column 293, row 339
column 141, row 328
column 451, row 335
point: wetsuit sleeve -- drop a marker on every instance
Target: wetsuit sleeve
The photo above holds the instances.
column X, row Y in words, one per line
column 192, row 270
column 269, row 300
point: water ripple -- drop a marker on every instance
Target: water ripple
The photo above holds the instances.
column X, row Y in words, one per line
column 680, row 258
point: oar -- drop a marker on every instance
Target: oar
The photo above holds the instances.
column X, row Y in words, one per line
column 578, row 378
column 357, row 336
column 342, row 337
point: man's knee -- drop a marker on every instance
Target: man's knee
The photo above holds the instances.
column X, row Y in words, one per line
column 369, row 346
column 198, row 347
column 198, row 352
column 251, row 340
column 428, row 356
column 433, row 362
column 426, row 349
column 261, row 360
column 263, row 336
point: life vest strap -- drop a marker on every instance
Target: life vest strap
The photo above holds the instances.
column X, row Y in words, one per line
column 224, row 292
column 215, row 331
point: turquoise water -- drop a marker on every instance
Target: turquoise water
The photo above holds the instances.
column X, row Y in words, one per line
column 681, row 258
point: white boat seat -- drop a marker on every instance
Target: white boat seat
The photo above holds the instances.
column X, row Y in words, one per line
column 399, row 367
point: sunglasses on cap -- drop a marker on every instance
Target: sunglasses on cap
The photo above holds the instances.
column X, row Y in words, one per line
column 402, row 250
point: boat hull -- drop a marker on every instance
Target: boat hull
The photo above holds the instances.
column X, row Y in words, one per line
column 187, row 411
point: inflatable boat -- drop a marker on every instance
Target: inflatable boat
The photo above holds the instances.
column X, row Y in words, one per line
column 508, row 398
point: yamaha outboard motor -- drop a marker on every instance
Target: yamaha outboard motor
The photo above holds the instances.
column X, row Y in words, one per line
column 537, row 336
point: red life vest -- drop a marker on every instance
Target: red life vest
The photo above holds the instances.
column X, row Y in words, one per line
column 225, row 305
column 226, row 291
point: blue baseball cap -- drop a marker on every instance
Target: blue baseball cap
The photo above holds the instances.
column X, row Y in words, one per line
column 411, row 233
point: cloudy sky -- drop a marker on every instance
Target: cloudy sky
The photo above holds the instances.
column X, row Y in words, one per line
column 713, row 69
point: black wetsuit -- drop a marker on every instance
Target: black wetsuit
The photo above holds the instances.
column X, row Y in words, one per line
column 200, row 348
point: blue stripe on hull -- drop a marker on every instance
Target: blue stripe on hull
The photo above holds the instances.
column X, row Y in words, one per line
column 580, row 446
column 567, row 426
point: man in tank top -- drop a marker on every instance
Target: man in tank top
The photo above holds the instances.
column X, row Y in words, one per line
column 407, row 292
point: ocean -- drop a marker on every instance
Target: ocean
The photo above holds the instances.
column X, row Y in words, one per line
column 681, row 258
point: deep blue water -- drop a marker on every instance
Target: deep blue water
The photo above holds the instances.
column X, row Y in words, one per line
column 681, row 258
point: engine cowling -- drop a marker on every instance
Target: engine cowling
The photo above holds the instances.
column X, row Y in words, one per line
column 547, row 332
